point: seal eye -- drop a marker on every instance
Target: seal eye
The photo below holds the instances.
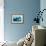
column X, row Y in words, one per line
column 28, row 39
column 30, row 36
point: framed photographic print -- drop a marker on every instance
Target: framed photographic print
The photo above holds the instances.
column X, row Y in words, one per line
column 17, row 19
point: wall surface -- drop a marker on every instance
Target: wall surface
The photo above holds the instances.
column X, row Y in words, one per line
column 1, row 20
column 13, row 32
column 43, row 6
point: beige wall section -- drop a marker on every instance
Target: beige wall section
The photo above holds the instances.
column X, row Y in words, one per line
column 39, row 33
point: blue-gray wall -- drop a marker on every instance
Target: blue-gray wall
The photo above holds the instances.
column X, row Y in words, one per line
column 43, row 6
column 14, row 32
